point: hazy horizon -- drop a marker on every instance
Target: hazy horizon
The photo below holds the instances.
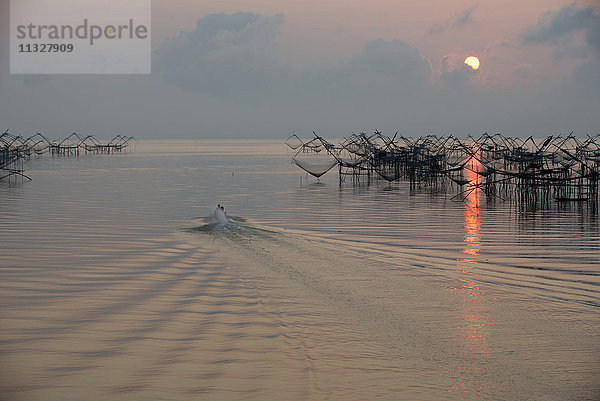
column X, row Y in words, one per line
column 267, row 70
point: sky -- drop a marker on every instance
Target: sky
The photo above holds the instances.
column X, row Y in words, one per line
column 267, row 69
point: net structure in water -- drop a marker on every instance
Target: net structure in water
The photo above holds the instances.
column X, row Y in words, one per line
column 555, row 168
column 15, row 149
column 315, row 169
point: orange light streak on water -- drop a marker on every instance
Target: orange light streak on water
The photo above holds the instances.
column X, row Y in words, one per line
column 472, row 223
column 473, row 324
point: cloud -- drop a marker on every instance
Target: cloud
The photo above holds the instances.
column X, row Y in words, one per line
column 574, row 33
column 458, row 20
column 464, row 17
column 500, row 43
column 382, row 74
column 521, row 72
column 455, row 73
column 225, row 55
column 233, row 55
column 558, row 27
column 384, row 64
column 384, row 81
column 556, row 24
column 592, row 32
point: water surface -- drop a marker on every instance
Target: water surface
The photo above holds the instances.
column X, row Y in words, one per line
column 112, row 289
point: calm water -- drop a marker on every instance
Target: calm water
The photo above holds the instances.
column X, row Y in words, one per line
column 113, row 287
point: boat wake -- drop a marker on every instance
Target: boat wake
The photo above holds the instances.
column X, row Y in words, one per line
column 219, row 224
column 419, row 318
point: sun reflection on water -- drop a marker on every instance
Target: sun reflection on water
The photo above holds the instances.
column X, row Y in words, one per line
column 473, row 325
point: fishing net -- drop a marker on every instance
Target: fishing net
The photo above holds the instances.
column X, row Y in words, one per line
column 388, row 173
column 315, row 169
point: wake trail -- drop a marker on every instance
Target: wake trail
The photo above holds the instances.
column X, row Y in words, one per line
column 413, row 318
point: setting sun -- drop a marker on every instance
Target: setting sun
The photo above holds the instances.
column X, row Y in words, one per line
column 472, row 62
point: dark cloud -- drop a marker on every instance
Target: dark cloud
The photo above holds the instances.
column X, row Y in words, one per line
column 521, row 72
column 226, row 54
column 500, row 43
column 592, row 32
column 455, row 76
column 384, row 64
column 558, row 26
column 234, row 55
column 458, row 20
column 383, row 71
column 385, row 82
column 464, row 17
column 574, row 32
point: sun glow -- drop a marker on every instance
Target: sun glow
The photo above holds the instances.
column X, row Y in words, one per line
column 472, row 62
